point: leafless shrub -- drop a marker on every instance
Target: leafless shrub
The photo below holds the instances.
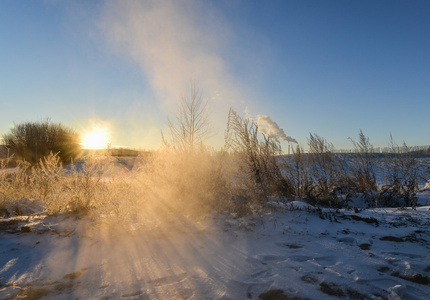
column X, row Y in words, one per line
column 31, row 141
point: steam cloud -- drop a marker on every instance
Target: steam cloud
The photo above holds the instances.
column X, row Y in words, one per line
column 173, row 42
column 272, row 129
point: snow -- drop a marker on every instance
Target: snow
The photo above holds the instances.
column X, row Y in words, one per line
column 298, row 251
column 24, row 207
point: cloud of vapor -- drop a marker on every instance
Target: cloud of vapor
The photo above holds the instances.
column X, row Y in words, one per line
column 173, row 42
column 272, row 129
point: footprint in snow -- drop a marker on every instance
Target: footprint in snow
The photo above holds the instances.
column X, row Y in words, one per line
column 169, row 279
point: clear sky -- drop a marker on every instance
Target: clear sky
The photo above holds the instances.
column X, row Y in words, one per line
column 325, row 67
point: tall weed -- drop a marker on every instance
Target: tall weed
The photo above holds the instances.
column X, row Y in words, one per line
column 257, row 174
column 401, row 177
column 362, row 168
column 326, row 170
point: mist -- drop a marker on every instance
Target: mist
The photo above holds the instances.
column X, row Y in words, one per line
column 175, row 44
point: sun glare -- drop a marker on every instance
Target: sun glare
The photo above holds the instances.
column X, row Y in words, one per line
column 96, row 139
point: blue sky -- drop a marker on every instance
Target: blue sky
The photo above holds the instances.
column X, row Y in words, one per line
column 325, row 67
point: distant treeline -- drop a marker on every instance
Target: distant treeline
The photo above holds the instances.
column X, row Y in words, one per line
column 411, row 150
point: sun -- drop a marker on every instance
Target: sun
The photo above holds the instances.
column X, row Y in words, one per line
column 98, row 138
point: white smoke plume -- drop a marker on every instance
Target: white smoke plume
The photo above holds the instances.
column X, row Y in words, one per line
column 271, row 129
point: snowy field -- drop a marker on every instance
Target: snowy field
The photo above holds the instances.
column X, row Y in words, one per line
column 296, row 252
column 301, row 253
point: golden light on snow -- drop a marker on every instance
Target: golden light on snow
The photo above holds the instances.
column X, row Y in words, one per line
column 97, row 138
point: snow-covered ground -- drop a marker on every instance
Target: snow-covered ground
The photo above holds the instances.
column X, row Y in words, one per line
column 298, row 253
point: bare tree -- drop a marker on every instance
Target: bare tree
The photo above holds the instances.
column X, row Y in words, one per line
column 190, row 126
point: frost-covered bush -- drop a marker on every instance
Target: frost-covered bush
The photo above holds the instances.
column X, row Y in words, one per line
column 47, row 181
column 88, row 187
column 13, row 182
